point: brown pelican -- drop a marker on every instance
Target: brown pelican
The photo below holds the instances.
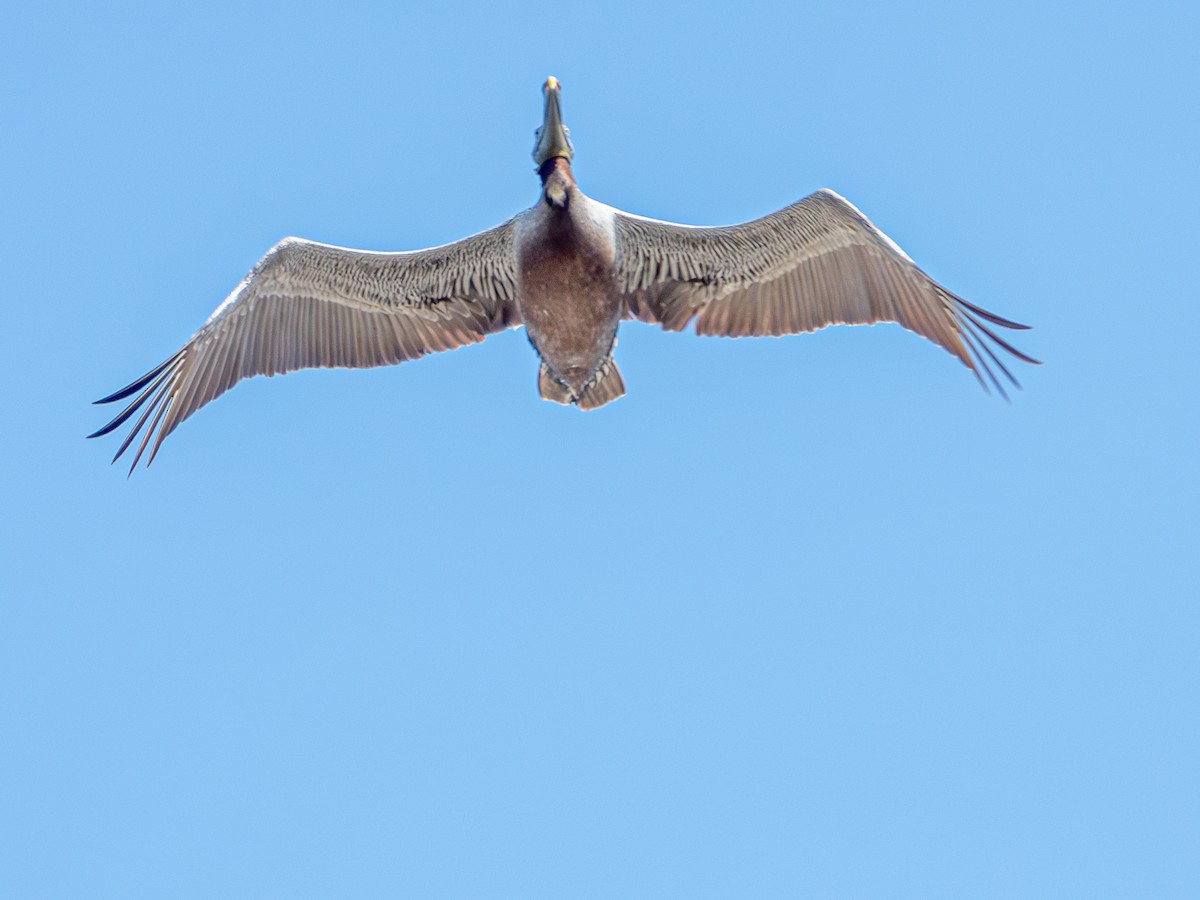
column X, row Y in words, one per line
column 569, row 269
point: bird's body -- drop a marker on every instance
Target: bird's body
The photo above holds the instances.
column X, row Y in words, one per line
column 569, row 269
column 567, row 291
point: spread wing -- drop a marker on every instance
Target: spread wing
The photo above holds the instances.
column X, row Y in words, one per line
column 817, row 263
column 310, row 305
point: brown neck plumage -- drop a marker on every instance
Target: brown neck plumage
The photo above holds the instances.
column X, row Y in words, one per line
column 557, row 181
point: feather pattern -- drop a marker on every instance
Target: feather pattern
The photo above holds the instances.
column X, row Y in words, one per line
column 310, row 305
column 816, row 263
column 568, row 269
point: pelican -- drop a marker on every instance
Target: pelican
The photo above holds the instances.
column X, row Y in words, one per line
column 569, row 269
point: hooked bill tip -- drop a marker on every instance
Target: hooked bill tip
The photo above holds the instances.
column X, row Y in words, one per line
column 551, row 84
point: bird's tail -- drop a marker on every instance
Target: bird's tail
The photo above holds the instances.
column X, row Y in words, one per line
column 604, row 387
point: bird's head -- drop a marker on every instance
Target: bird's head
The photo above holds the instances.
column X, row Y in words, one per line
column 553, row 138
column 553, row 151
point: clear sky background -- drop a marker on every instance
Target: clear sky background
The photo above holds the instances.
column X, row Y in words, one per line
column 801, row 617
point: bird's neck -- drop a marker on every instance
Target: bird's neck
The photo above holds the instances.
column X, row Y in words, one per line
column 557, row 181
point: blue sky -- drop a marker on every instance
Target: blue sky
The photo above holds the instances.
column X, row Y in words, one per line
column 799, row 617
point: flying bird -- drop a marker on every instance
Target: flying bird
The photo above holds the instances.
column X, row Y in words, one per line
column 569, row 269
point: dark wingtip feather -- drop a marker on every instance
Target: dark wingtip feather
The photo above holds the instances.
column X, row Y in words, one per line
column 1000, row 341
column 991, row 316
column 163, row 387
column 975, row 342
column 995, row 359
column 977, row 335
column 140, row 383
column 162, row 408
column 118, row 420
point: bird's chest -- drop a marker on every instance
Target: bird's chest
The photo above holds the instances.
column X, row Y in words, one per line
column 567, row 293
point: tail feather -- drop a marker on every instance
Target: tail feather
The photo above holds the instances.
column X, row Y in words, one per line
column 604, row 387
column 552, row 389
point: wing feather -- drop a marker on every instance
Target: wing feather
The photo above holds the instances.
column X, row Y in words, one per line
column 817, row 263
column 310, row 305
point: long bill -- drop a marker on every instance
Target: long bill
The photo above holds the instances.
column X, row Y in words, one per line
column 552, row 136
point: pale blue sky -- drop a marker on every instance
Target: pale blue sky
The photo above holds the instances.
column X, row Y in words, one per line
column 799, row 617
